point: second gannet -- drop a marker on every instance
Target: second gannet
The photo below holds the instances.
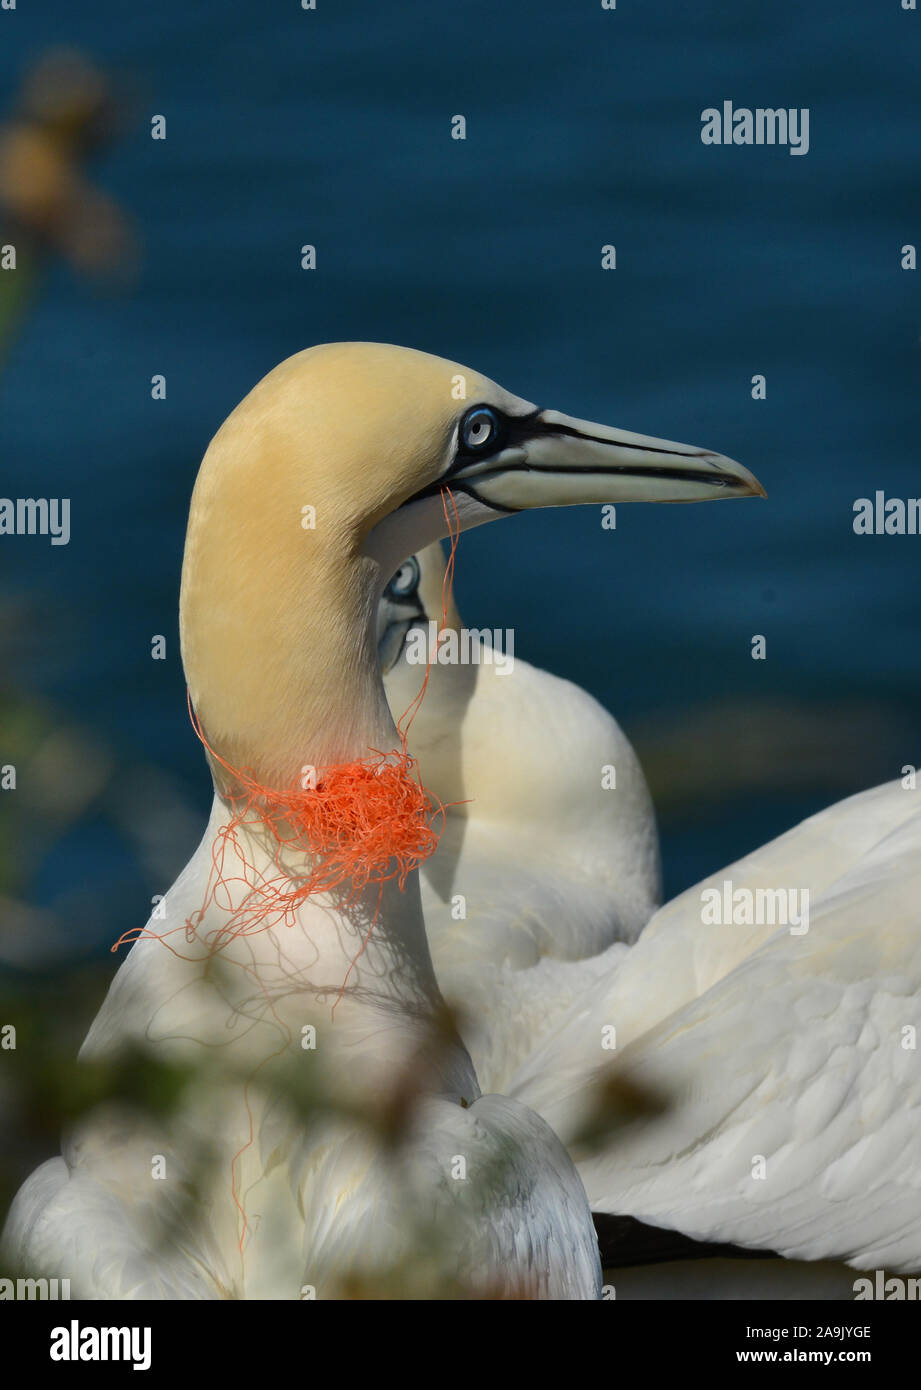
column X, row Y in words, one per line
column 776, row 1005
column 550, row 854
column 336, row 467
column 536, row 776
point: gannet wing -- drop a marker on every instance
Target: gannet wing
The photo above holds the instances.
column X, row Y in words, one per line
column 678, row 958
column 789, row 1059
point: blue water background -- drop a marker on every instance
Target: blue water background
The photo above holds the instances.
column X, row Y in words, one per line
column 583, row 128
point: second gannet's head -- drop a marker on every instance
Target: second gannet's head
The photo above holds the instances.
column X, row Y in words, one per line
column 413, row 597
column 321, row 482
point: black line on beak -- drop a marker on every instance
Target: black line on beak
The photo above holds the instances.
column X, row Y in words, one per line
column 680, row 475
column 545, row 427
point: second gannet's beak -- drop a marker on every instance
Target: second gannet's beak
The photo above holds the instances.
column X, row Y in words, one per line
column 545, row 459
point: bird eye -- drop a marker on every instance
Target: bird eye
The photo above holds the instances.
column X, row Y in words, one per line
column 406, row 579
column 480, row 429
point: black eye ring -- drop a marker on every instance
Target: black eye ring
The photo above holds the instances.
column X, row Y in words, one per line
column 481, row 430
column 405, row 581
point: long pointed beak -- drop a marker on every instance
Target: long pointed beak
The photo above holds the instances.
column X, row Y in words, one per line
column 554, row 460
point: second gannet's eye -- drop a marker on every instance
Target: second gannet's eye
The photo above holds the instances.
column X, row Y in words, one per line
column 480, row 430
column 406, row 579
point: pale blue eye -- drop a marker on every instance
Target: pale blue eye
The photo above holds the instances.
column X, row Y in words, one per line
column 480, row 430
column 406, row 579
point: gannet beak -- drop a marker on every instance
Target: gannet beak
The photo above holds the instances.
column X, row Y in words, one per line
column 554, row 460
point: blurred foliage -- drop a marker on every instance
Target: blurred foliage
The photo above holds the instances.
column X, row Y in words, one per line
column 45, row 1091
column 50, row 1014
column 612, row 1103
column 65, row 112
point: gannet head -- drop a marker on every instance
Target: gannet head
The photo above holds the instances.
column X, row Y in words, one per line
column 413, row 597
column 322, row 481
column 400, row 609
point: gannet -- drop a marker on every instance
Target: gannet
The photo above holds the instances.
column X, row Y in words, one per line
column 785, row 1048
column 334, row 469
column 550, row 850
